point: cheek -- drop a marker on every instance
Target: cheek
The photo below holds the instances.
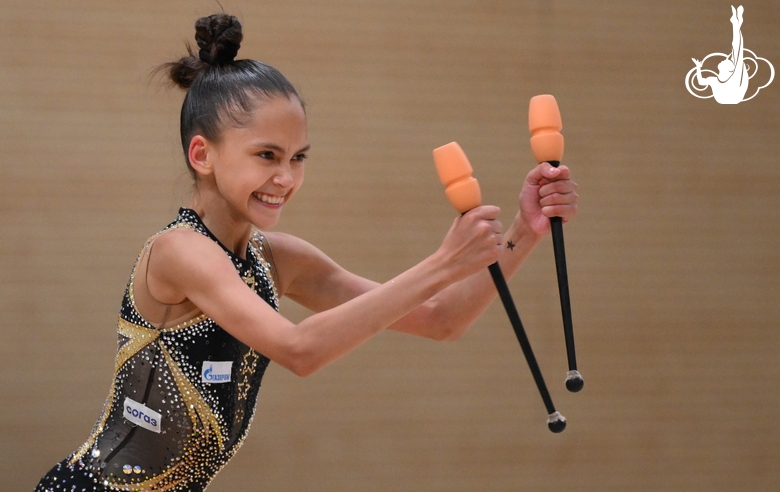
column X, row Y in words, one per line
column 298, row 176
column 298, row 179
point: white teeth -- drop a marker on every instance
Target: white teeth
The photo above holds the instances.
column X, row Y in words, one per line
column 273, row 200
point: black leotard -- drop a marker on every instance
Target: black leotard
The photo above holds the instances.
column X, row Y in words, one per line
column 182, row 397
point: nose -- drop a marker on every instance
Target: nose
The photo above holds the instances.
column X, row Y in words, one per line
column 283, row 177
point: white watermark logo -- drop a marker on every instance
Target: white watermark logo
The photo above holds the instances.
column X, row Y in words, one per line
column 729, row 84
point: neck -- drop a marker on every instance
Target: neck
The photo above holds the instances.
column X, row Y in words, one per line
column 231, row 230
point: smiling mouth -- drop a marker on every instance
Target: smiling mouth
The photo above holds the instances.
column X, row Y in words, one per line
column 269, row 199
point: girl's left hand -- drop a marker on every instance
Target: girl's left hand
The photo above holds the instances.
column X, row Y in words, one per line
column 547, row 192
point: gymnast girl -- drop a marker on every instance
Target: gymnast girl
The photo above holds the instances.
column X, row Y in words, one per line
column 198, row 323
column 731, row 84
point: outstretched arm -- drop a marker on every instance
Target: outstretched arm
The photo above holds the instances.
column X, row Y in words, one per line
column 188, row 264
column 547, row 192
column 447, row 315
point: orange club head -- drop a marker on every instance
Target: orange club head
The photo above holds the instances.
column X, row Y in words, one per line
column 544, row 121
column 455, row 171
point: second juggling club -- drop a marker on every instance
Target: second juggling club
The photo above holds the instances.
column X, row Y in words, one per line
column 463, row 192
column 544, row 121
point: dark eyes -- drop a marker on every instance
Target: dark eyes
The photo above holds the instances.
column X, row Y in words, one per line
column 271, row 156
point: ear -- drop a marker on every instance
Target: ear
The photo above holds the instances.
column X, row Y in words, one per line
column 198, row 155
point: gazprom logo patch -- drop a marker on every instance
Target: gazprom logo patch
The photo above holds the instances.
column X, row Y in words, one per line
column 216, row 372
column 142, row 416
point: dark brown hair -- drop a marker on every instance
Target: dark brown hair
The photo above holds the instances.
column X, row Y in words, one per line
column 220, row 89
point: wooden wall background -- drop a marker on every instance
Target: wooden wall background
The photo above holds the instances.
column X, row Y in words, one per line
column 673, row 258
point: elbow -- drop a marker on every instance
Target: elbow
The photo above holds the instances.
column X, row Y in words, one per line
column 303, row 370
column 301, row 361
column 448, row 334
column 443, row 329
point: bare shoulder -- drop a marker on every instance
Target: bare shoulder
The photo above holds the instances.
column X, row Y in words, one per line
column 298, row 262
column 286, row 243
column 294, row 257
column 182, row 258
column 183, row 244
column 289, row 250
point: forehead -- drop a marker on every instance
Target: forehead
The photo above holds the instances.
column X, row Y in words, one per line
column 276, row 118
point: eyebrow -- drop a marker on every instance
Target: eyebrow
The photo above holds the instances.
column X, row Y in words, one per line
column 276, row 148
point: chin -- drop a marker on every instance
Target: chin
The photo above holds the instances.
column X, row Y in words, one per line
column 265, row 221
column 265, row 224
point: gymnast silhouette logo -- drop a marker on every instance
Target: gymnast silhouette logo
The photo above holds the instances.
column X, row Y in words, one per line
column 730, row 84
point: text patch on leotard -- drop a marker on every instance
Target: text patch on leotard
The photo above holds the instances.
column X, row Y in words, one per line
column 143, row 416
column 216, row 372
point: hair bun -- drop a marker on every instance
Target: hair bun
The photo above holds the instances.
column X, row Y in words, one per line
column 219, row 37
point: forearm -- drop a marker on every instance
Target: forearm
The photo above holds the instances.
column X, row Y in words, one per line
column 450, row 313
column 324, row 337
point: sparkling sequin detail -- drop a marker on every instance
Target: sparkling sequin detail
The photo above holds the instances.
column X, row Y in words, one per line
column 202, row 425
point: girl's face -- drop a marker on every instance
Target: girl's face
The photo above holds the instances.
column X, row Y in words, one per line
column 258, row 167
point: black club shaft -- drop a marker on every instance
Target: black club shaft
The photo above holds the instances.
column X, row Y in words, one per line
column 574, row 382
column 556, row 422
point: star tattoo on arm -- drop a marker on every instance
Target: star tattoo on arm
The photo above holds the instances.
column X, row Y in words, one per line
column 510, row 245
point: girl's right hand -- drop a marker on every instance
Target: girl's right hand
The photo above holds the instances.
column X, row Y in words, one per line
column 473, row 242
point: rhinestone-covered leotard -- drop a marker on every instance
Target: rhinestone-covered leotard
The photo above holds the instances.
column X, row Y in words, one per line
column 182, row 397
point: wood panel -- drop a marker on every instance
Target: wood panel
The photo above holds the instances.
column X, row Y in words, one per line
column 673, row 259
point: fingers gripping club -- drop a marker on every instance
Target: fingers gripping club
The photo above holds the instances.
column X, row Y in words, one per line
column 463, row 192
